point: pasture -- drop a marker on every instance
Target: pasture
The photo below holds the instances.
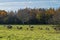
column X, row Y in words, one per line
column 24, row 32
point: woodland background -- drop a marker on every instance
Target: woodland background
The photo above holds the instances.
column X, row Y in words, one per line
column 30, row 16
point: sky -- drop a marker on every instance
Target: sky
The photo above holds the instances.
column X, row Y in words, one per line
column 21, row 4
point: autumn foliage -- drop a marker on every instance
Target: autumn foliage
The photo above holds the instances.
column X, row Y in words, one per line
column 30, row 16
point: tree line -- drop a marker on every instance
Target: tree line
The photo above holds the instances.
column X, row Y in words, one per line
column 30, row 16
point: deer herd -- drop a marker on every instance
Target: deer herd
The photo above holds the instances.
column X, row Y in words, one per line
column 30, row 27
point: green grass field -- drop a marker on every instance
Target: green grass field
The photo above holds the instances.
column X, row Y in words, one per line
column 24, row 34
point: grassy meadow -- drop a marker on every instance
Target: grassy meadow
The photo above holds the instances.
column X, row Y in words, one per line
column 26, row 33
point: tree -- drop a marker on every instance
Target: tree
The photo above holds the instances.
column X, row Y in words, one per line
column 23, row 15
column 56, row 17
column 50, row 13
column 3, row 15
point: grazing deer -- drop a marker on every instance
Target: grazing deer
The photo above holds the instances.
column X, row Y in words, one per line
column 27, row 28
column 47, row 28
column 9, row 26
column 31, row 28
column 19, row 28
column 40, row 28
column 57, row 28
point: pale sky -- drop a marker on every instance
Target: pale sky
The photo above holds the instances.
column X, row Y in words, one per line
column 17, row 4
